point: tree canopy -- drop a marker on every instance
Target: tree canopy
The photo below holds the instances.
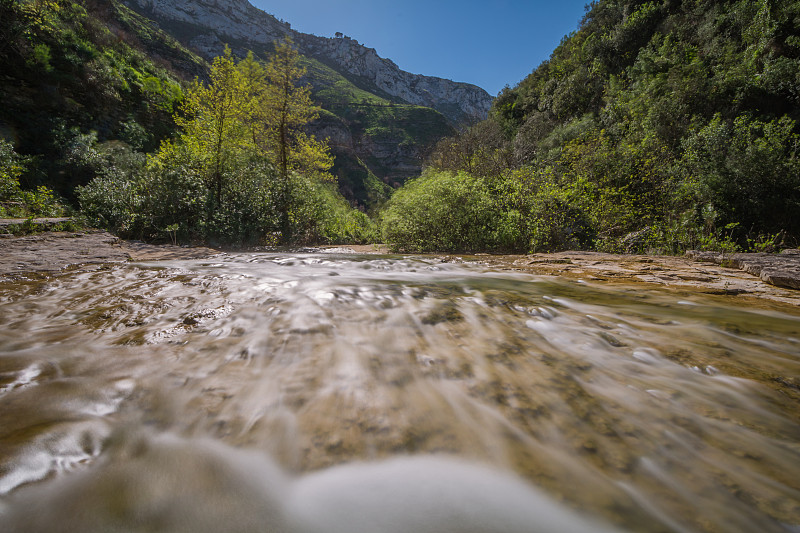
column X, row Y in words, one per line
column 657, row 126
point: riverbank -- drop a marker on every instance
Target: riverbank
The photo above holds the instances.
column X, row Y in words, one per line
column 697, row 273
column 59, row 251
column 741, row 275
column 774, row 277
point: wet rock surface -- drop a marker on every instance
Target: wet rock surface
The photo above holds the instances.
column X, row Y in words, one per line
column 689, row 273
column 781, row 270
column 628, row 403
column 59, row 251
column 773, row 277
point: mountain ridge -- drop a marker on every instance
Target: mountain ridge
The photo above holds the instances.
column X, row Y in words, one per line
column 239, row 20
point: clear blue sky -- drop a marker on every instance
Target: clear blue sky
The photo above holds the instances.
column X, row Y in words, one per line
column 488, row 43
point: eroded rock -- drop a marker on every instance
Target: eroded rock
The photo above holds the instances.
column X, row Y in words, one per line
column 781, row 270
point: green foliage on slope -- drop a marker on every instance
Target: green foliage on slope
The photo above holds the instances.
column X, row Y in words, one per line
column 656, row 126
column 75, row 71
column 240, row 171
column 399, row 134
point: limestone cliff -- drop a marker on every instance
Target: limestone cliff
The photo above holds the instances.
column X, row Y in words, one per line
column 215, row 22
column 236, row 19
column 459, row 102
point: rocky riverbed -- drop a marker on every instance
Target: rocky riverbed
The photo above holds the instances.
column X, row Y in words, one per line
column 653, row 393
column 738, row 276
column 62, row 251
column 772, row 277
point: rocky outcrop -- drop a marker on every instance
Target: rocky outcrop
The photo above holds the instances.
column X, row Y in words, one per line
column 459, row 102
column 54, row 252
column 781, row 270
column 236, row 19
column 219, row 21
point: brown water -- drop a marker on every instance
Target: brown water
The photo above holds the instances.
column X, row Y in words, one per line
column 171, row 387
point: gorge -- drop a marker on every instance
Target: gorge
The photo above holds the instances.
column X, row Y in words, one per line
column 380, row 120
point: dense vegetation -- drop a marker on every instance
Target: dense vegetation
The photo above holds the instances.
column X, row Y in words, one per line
column 76, row 75
column 656, row 126
column 99, row 108
column 16, row 202
column 241, row 169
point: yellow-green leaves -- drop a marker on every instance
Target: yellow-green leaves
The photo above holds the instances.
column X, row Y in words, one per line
column 248, row 111
column 248, row 108
column 285, row 108
column 213, row 119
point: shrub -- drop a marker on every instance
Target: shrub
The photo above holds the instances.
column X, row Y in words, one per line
column 320, row 214
column 557, row 222
column 748, row 170
column 442, row 211
column 16, row 202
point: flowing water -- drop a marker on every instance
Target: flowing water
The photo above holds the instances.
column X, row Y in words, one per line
column 219, row 394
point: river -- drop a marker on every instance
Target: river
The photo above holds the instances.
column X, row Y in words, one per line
column 221, row 394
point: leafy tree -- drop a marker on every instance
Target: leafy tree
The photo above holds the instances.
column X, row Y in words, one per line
column 212, row 118
column 252, row 110
column 254, row 83
column 280, row 114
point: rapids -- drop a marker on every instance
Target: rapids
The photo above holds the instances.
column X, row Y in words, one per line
column 324, row 392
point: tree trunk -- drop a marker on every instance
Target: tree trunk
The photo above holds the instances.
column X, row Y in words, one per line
column 286, row 223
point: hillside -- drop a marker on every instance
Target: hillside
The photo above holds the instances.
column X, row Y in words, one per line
column 663, row 67
column 700, row 99
column 656, row 126
column 78, row 73
column 80, row 76
column 382, row 120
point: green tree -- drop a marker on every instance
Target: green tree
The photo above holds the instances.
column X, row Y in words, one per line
column 242, row 137
column 254, row 83
column 277, row 124
column 213, row 118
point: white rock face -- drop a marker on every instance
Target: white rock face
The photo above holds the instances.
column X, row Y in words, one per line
column 221, row 20
column 415, row 89
column 233, row 18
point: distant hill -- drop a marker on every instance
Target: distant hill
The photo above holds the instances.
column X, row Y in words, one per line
column 115, row 67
